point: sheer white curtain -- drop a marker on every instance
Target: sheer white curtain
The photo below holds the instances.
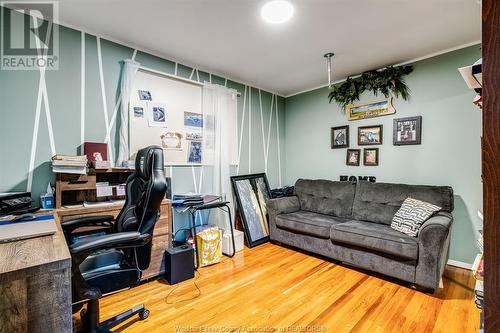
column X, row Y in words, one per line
column 219, row 124
column 129, row 71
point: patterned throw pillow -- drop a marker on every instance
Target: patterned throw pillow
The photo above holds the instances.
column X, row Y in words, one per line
column 412, row 214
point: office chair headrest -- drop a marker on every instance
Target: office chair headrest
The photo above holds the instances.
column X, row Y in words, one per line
column 147, row 160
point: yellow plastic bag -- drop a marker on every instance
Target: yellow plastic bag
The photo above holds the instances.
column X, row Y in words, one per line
column 209, row 246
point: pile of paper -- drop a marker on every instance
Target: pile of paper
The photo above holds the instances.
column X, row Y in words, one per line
column 69, row 164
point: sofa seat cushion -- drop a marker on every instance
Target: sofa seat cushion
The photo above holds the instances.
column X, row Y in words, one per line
column 376, row 237
column 308, row 223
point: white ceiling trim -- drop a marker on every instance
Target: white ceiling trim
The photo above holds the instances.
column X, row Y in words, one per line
column 435, row 54
column 170, row 58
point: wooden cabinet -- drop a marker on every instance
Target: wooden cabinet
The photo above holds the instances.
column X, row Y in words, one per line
column 73, row 188
column 161, row 236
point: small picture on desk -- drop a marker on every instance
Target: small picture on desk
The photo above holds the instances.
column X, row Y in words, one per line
column 252, row 194
column 194, row 154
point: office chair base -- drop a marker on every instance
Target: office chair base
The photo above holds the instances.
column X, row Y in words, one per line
column 90, row 317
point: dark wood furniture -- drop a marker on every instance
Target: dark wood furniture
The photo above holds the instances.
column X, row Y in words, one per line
column 491, row 162
column 161, row 237
column 72, row 188
column 35, row 285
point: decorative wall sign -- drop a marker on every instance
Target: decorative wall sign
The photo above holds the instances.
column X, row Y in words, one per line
column 340, row 137
column 252, row 194
column 370, row 156
column 371, row 179
column 171, row 141
column 353, row 157
column 373, row 109
column 370, row 135
column 407, row 131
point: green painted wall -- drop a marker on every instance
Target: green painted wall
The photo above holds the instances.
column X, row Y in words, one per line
column 18, row 102
column 449, row 153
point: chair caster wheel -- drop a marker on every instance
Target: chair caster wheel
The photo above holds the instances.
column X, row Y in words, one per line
column 144, row 314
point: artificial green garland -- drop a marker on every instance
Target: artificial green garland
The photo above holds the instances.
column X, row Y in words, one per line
column 386, row 81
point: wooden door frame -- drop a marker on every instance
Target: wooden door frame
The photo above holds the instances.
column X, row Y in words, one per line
column 491, row 161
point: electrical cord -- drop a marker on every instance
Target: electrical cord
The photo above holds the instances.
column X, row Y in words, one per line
column 196, row 271
column 187, row 299
column 195, row 284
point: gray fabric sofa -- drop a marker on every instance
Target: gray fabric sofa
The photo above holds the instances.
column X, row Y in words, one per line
column 350, row 222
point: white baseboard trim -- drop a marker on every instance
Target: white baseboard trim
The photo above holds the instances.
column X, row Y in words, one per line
column 460, row 264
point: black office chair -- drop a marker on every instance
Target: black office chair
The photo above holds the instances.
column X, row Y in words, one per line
column 114, row 258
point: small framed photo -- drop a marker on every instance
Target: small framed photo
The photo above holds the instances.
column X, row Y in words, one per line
column 353, row 157
column 370, row 135
column 138, row 111
column 340, row 137
column 370, row 156
column 407, row 131
column 145, row 95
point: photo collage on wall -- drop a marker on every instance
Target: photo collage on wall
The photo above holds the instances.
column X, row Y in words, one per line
column 406, row 131
column 156, row 115
column 193, row 124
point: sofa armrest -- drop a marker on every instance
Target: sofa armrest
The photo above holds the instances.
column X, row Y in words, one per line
column 433, row 243
column 283, row 205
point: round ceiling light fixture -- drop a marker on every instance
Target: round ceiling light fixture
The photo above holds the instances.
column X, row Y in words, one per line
column 277, row 11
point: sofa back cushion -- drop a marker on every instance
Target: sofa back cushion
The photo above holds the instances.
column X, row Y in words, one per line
column 325, row 196
column 378, row 202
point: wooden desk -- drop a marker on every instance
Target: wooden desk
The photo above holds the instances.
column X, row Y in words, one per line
column 161, row 237
column 35, row 274
column 35, row 285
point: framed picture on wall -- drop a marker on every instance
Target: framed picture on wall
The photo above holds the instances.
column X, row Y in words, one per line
column 382, row 107
column 370, row 156
column 353, row 157
column 252, row 193
column 370, row 135
column 340, row 137
column 407, row 131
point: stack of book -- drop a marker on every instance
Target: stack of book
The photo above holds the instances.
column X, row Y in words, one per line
column 188, row 199
column 69, row 164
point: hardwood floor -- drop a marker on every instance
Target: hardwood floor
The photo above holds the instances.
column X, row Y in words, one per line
column 272, row 288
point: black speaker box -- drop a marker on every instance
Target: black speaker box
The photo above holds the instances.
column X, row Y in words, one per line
column 179, row 264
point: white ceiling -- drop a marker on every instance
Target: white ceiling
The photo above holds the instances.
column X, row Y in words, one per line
column 228, row 37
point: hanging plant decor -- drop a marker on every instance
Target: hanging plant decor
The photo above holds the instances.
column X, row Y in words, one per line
column 386, row 82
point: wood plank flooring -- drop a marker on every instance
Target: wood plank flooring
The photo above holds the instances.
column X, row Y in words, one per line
column 275, row 289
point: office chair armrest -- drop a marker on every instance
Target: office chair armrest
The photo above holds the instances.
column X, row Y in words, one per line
column 95, row 220
column 116, row 240
column 100, row 222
